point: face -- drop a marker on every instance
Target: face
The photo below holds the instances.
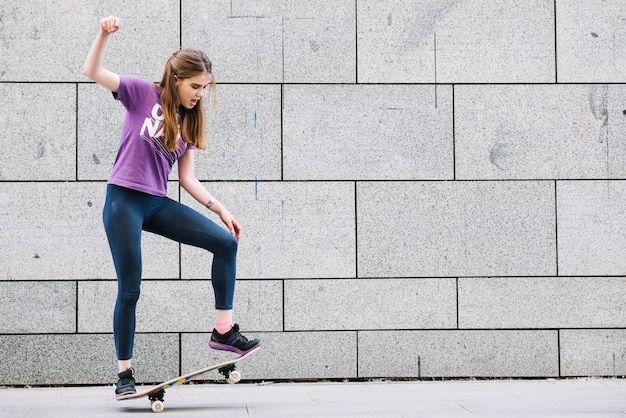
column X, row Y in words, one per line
column 190, row 90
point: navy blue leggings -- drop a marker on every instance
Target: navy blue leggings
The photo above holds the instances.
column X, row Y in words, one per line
column 126, row 213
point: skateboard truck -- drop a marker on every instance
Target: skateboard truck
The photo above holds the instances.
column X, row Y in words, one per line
column 156, row 400
column 230, row 374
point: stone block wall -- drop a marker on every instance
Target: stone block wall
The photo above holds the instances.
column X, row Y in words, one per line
column 428, row 189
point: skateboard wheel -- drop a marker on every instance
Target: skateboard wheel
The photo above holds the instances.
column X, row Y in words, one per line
column 234, row 377
column 157, row 406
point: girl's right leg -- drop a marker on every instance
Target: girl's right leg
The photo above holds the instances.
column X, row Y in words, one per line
column 123, row 215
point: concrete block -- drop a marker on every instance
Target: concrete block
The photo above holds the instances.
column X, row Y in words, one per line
column 593, row 352
column 51, row 307
column 80, row 359
column 46, row 41
column 243, row 47
column 319, row 41
column 542, row 302
column 290, row 230
column 328, row 355
column 40, row 118
column 56, row 233
column 244, row 135
column 590, row 41
column 181, row 306
column 100, row 120
column 458, row 354
column 591, row 224
column 447, row 229
column 474, row 41
column 350, row 132
column 540, row 132
column 370, row 304
column 275, row 41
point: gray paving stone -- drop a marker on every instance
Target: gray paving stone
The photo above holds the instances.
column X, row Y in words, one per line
column 542, row 302
column 56, row 233
column 244, row 135
column 275, row 41
column 593, row 352
column 591, row 222
column 319, row 41
column 370, row 304
column 540, row 132
column 589, row 46
column 100, row 120
column 367, row 132
column 80, row 359
column 447, row 229
column 335, row 355
column 38, row 126
column 458, row 353
column 591, row 398
column 449, row 41
column 51, row 307
column 48, row 41
column 290, row 230
column 181, row 306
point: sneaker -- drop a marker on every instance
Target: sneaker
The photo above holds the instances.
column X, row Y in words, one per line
column 233, row 341
column 126, row 383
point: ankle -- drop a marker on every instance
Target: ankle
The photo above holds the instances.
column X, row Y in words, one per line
column 223, row 326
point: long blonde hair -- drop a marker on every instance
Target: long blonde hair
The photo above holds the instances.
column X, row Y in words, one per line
column 185, row 63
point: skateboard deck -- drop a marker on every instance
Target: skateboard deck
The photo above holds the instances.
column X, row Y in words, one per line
column 156, row 393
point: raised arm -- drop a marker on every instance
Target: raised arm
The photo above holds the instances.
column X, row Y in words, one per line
column 93, row 67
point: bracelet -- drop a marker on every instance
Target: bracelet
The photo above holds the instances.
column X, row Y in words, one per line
column 210, row 203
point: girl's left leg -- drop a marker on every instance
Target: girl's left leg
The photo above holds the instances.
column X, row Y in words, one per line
column 180, row 223
column 183, row 224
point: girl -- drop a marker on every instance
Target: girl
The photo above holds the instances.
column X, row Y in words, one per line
column 164, row 124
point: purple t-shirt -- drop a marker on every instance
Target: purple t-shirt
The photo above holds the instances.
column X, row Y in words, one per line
column 143, row 163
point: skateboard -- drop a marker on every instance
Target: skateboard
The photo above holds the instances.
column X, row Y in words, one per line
column 156, row 393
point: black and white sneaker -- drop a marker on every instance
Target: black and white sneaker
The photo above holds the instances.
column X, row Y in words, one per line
column 233, row 341
column 126, row 383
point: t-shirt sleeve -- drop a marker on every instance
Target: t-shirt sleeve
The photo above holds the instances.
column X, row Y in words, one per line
column 132, row 91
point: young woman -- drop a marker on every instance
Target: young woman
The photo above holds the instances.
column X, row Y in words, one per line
column 164, row 123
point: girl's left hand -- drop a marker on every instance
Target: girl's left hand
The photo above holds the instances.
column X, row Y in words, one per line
column 231, row 223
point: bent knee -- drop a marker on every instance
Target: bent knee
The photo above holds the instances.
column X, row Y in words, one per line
column 228, row 245
column 231, row 244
